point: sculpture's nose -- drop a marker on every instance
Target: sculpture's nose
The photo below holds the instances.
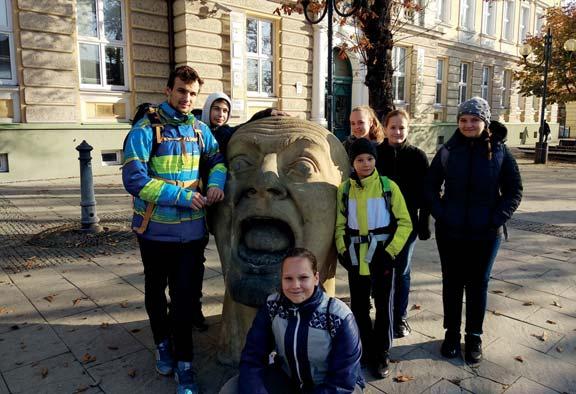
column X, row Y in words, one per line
column 268, row 183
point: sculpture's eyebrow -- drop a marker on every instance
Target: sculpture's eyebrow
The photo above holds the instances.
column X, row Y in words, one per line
column 283, row 141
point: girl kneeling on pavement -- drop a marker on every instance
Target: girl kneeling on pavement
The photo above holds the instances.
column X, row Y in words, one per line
column 372, row 226
column 473, row 187
column 301, row 340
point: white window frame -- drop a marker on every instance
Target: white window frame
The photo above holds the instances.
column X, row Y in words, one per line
column 508, row 20
column 399, row 66
column 260, row 57
column 524, row 29
column 505, row 88
column 440, row 72
column 102, row 41
column 486, row 84
column 5, row 5
column 489, row 15
column 463, row 82
column 538, row 22
column 467, row 14
column 119, row 157
column 443, row 10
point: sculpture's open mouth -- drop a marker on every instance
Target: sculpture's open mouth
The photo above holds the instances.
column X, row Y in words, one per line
column 263, row 242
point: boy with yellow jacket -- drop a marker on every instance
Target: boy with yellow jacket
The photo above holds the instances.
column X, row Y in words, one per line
column 372, row 226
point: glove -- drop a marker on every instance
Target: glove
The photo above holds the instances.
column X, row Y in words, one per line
column 344, row 260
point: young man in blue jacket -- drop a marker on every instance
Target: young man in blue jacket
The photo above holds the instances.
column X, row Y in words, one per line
column 161, row 170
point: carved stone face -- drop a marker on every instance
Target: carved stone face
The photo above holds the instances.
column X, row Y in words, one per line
column 280, row 193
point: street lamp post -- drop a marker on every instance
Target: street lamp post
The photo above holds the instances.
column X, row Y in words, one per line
column 314, row 12
column 541, row 151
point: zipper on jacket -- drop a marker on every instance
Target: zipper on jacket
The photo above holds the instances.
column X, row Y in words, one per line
column 294, row 348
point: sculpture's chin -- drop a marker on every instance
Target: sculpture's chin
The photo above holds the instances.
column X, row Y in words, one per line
column 254, row 271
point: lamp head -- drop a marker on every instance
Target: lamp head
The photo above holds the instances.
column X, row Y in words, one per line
column 570, row 45
column 525, row 50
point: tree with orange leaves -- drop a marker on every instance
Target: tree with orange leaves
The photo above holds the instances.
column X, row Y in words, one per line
column 561, row 86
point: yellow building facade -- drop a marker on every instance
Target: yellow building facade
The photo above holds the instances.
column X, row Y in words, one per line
column 73, row 70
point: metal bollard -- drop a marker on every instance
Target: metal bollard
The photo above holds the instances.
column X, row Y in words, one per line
column 89, row 219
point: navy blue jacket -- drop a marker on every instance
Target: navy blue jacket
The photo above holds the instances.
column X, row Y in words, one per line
column 319, row 351
column 479, row 194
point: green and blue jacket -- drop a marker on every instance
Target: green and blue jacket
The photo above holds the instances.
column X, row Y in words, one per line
column 154, row 174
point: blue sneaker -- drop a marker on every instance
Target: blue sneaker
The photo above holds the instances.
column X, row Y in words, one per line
column 185, row 378
column 164, row 360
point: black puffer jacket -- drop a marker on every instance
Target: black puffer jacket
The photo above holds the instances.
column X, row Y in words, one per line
column 479, row 194
column 407, row 165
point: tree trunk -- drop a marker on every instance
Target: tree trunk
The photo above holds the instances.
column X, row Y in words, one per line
column 377, row 24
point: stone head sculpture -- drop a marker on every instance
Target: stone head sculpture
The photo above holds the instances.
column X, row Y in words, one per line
column 281, row 193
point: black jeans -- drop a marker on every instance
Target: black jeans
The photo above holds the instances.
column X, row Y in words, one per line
column 180, row 267
column 378, row 339
column 466, row 267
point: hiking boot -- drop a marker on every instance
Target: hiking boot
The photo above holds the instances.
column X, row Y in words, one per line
column 402, row 329
column 380, row 368
column 185, row 378
column 164, row 360
column 199, row 321
column 451, row 345
column 473, row 349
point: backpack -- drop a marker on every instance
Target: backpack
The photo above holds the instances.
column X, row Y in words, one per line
column 386, row 194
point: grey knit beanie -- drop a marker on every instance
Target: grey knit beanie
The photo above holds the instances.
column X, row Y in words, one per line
column 476, row 106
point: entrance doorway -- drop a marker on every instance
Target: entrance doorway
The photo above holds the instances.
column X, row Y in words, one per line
column 342, row 95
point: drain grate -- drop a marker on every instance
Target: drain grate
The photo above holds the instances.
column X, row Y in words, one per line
column 543, row 228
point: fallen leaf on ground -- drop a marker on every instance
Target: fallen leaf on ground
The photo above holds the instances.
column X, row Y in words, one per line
column 113, row 347
column 5, row 310
column 81, row 389
column 519, row 358
column 124, row 304
column 416, row 307
column 132, row 372
column 104, row 325
column 496, row 313
column 135, row 330
column 559, row 349
column 77, row 301
column 540, row 337
column 497, row 291
column 528, row 303
column 403, row 378
column 50, row 297
column 88, row 358
column 550, row 322
column 556, row 303
column 27, row 275
column 44, row 372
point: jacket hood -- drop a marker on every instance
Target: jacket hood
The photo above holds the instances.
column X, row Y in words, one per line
column 208, row 104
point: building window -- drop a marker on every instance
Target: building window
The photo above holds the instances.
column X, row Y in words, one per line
column 260, row 57
column 417, row 14
column 467, row 8
column 486, row 80
column 102, row 44
column 399, row 75
column 4, row 162
column 524, row 23
column 489, row 18
column 443, row 10
column 7, row 63
column 463, row 83
column 539, row 22
column 505, row 89
column 439, row 81
column 112, row 157
column 508, row 20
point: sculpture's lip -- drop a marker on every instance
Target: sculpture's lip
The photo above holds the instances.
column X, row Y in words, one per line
column 262, row 243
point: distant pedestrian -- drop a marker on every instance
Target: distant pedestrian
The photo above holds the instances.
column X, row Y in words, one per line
column 406, row 165
column 474, row 187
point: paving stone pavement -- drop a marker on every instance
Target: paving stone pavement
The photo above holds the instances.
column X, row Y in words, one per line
column 72, row 317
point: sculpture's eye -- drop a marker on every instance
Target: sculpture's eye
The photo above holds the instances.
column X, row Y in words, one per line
column 302, row 167
column 240, row 163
